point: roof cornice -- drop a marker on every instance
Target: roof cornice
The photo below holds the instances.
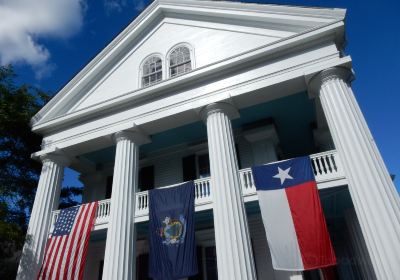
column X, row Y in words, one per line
column 329, row 13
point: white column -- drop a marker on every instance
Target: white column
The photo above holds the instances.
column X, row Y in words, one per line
column 119, row 259
column 232, row 239
column 375, row 198
column 46, row 200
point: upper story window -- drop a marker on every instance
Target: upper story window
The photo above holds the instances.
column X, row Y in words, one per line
column 152, row 71
column 179, row 61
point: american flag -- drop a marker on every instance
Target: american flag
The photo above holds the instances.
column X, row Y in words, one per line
column 66, row 249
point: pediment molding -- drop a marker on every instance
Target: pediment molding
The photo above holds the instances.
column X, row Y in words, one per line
column 221, row 14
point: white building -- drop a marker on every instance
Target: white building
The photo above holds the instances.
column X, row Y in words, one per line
column 203, row 90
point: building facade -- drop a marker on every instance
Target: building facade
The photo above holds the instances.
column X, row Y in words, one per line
column 203, row 90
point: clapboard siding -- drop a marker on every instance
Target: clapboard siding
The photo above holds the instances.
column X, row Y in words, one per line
column 262, row 257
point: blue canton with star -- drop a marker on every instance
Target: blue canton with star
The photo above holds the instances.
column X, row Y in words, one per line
column 65, row 221
column 284, row 174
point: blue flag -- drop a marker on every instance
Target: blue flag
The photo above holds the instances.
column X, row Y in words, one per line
column 171, row 233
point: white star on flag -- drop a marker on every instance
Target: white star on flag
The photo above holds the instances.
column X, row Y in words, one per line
column 283, row 175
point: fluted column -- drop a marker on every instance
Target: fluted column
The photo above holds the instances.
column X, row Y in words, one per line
column 375, row 198
column 46, row 200
column 120, row 258
column 232, row 239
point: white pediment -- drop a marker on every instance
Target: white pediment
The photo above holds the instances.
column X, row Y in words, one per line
column 209, row 45
column 216, row 31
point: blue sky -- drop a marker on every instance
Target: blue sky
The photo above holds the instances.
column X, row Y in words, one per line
column 50, row 41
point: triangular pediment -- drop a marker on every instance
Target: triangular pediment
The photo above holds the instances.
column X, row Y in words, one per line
column 214, row 31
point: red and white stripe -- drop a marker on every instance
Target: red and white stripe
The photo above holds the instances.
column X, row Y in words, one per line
column 66, row 255
column 295, row 226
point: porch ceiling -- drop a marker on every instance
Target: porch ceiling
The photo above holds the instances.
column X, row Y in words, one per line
column 293, row 116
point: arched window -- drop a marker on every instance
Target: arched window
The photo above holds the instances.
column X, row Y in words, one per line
column 179, row 61
column 152, row 71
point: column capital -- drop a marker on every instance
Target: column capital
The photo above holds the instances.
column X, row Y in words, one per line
column 135, row 135
column 219, row 107
column 326, row 75
column 58, row 157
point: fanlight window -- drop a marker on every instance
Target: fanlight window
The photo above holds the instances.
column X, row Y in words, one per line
column 179, row 61
column 152, row 71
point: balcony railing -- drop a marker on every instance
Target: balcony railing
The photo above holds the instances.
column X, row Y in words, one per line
column 327, row 170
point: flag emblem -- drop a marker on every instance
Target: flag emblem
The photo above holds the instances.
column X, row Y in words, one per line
column 66, row 249
column 291, row 210
column 173, row 231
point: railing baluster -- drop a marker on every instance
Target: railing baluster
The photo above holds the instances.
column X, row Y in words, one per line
column 200, row 193
column 334, row 162
column 329, row 163
column 99, row 210
column 318, row 160
column 253, row 186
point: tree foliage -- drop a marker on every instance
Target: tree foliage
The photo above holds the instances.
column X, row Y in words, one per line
column 19, row 174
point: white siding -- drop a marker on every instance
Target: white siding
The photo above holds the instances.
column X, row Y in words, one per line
column 261, row 253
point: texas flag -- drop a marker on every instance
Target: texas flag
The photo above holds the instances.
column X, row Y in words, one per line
column 292, row 215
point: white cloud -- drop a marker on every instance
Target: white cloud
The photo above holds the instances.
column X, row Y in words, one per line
column 114, row 5
column 24, row 22
column 139, row 5
column 118, row 5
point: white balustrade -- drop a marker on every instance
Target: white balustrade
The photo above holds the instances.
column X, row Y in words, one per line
column 202, row 196
column 103, row 211
column 142, row 203
column 202, row 191
column 326, row 167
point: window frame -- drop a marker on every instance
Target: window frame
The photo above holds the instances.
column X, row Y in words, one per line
column 168, row 59
column 142, row 75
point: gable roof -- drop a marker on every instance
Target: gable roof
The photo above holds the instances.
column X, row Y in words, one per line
column 292, row 19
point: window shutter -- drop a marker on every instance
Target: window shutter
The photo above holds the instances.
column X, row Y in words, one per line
column 100, row 276
column 109, row 187
column 238, row 156
column 146, row 178
column 199, row 275
column 142, row 267
column 189, row 168
column 203, row 163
